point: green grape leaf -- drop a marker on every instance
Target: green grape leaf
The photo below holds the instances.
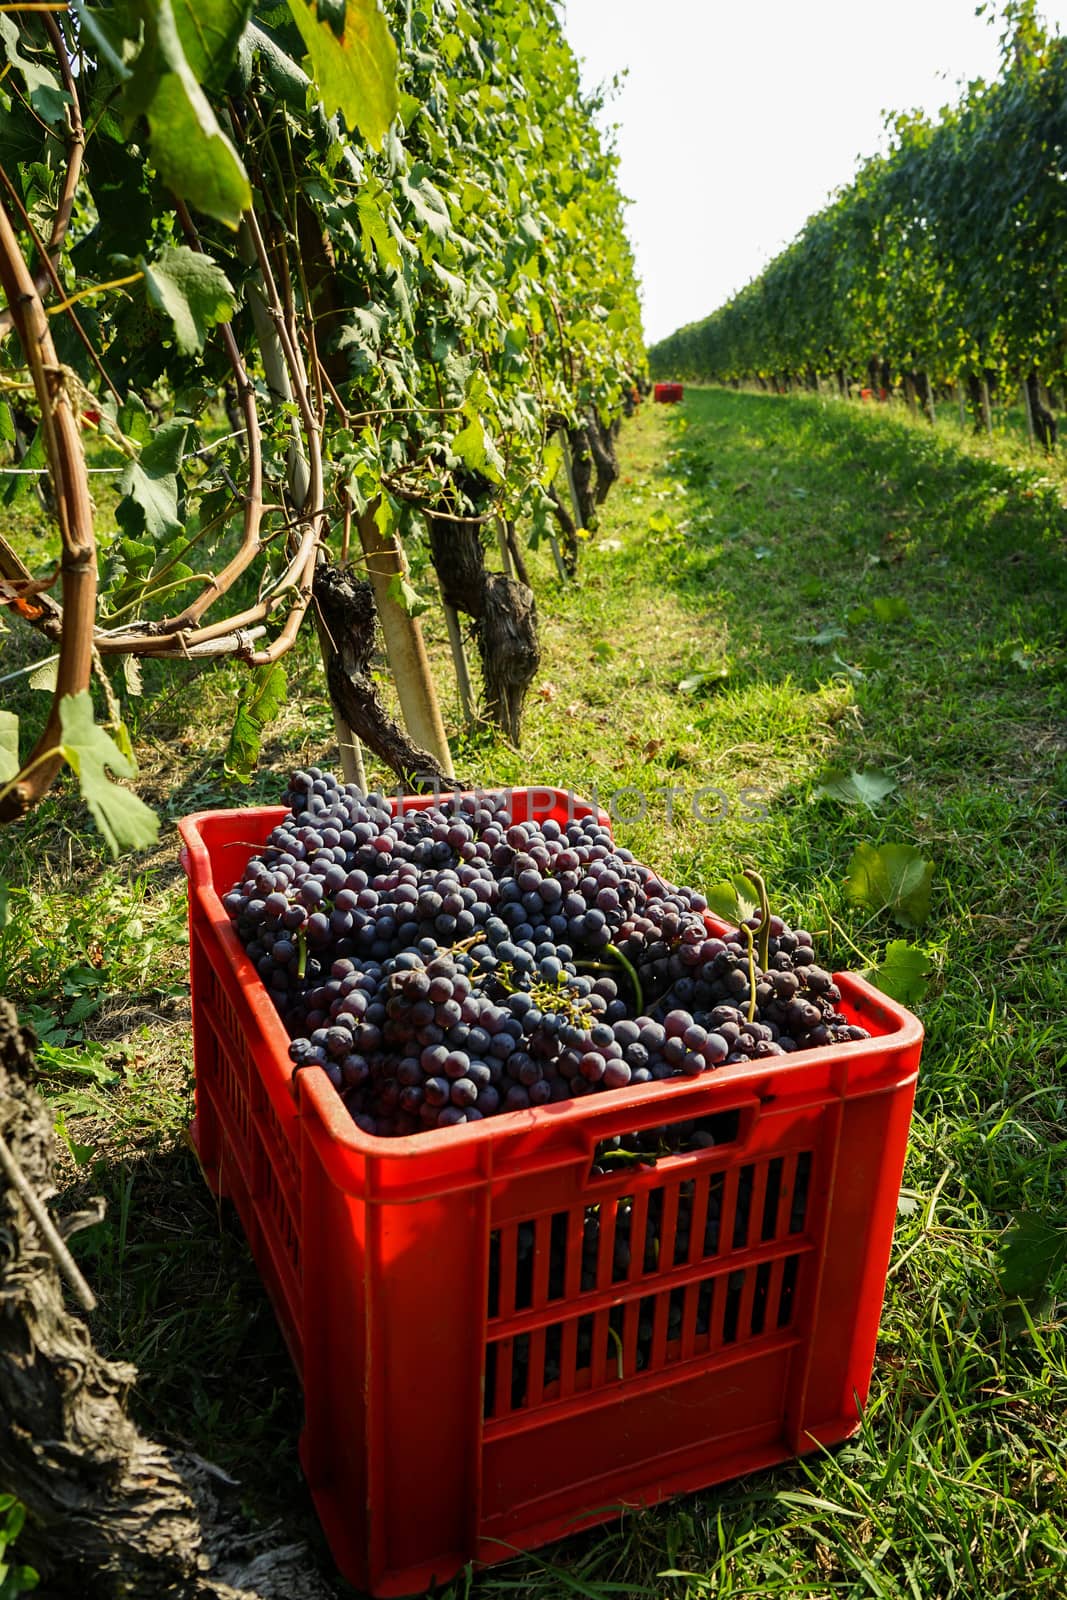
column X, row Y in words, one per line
column 150, row 484
column 903, row 972
column 45, row 93
column 134, row 420
column 474, row 448
column 856, row 788
column 551, row 461
column 22, row 482
column 401, row 593
column 733, row 900
column 191, row 153
column 123, row 819
column 1031, row 1256
column 355, row 73
column 209, row 31
column 891, row 877
column 9, row 746
column 45, row 676
column 374, row 232
column 261, row 701
column 103, row 33
column 429, row 207
column 193, row 291
column 286, row 80
column 188, row 149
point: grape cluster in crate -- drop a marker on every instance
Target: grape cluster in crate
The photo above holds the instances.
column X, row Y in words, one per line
column 448, row 964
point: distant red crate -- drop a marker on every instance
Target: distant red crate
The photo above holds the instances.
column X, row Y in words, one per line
column 482, row 1369
column 667, row 392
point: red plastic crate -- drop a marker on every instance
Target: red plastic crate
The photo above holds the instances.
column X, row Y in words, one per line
column 667, row 392
column 461, row 1400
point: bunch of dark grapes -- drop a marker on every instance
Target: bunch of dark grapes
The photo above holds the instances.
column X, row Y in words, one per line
column 450, row 964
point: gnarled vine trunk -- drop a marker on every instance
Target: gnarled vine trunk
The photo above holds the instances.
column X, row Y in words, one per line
column 110, row 1512
column 978, row 389
column 349, row 616
column 1042, row 416
column 602, row 446
column 582, row 476
column 504, row 615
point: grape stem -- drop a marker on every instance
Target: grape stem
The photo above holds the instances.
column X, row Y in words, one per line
column 628, row 967
column 833, row 926
column 764, row 914
column 751, row 972
column 301, row 953
column 618, row 1353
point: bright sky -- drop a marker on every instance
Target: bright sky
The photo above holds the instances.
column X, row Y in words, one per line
column 737, row 120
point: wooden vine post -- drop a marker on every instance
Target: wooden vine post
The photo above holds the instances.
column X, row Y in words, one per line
column 404, row 644
column 459, row 661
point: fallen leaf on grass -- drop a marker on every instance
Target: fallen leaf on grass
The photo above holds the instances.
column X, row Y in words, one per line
column 855, row 788
column 891, row 878
column 703, row 682
column 903, row 972
column 825, row 635
column 853, row 672
column 1031, row 1256
column 548, row 691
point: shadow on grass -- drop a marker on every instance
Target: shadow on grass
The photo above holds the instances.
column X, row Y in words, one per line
column 180, row 1297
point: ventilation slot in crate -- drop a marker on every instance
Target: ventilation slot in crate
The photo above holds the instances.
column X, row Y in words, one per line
column 613, row 1253
column 620, row 1343
column 229, row 1081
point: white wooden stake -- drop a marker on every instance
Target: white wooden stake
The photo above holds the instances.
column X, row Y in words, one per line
column 560, row 568
column 459, row 661
column 568, row 467
column 404, row 645
column 505, row 552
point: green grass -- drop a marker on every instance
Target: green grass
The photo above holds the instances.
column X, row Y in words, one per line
column 746, row 529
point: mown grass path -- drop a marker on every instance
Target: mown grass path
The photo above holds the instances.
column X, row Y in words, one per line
column 778, row 588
